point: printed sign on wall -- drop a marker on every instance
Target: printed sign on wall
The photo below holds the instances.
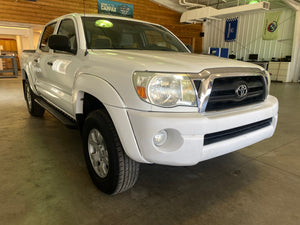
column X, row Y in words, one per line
column 231, row 29
column 115, row 8
column 270, row 31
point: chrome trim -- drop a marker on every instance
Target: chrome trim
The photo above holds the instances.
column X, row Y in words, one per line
column 242, row 90
column 208, row 76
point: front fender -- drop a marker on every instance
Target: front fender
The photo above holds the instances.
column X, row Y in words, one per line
column 97, row 87
column 115, row 106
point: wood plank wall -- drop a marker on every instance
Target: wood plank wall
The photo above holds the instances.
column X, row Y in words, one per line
column 42, row 11
column 9, row 44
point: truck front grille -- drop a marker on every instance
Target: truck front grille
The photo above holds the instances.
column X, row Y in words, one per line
column 229, row 92
column 235, row 132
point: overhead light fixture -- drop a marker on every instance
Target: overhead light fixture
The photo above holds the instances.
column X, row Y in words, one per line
column 200, row 14
column 253, row 2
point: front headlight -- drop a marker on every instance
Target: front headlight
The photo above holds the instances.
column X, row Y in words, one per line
column 165, row 89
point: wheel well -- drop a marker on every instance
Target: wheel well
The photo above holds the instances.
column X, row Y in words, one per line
column 24, row 74
column 90, row 103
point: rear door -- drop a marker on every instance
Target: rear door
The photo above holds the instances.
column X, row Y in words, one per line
column 40, row 57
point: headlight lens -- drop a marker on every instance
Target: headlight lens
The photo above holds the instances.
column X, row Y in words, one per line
column 164, row 89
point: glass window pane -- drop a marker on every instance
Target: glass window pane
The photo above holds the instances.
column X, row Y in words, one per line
column 48, row 31
column 67, row 29
column 108, row 33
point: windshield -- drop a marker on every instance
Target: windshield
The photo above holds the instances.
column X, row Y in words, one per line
column 110, row 33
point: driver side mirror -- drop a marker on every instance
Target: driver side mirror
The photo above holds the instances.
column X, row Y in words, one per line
column 60, row 43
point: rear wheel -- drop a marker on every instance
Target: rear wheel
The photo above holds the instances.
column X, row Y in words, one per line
column 111, row 170
column 33, row 107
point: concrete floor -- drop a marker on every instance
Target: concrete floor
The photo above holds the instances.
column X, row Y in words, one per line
column 44, row 180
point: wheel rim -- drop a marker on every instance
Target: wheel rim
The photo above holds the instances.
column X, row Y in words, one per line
column 28, row 96
column 98, row 153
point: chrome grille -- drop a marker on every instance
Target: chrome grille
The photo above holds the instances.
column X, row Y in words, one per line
column 223, row 88
column 229, row 92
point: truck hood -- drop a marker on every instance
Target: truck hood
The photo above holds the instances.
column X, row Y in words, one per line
column 162, row 61
column 117, row 67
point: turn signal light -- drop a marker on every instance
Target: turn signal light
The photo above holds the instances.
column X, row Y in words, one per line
column 141, row 92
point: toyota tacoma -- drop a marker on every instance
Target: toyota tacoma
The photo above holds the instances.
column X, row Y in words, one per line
column 138, row 95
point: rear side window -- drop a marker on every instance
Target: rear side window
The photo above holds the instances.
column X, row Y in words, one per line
column 47, row 32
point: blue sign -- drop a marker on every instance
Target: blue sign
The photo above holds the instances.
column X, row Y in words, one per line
column 214, row 51
column 224, row 52
column 221, row 52
column 115, row 8
column 231, row 29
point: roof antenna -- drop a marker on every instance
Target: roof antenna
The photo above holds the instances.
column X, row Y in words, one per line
column 83, row 1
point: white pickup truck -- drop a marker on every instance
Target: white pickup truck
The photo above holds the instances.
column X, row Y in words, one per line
column 138, row 95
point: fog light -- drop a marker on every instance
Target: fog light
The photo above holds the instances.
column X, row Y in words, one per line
column 160, row 138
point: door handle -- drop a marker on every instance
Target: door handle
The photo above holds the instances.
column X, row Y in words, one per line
column 50, row 63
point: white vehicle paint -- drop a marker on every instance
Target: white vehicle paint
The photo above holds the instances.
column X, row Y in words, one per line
column 63, row 79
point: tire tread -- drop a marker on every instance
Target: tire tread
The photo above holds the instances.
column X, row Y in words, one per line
column 128, row 168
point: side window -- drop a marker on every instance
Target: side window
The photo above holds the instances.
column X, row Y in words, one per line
column 47, row 32
column 67, row 28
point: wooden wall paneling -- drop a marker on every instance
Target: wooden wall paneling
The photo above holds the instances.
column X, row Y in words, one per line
column 42, row 11
column 9, row 44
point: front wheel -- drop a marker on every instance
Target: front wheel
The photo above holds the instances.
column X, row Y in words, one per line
column 111, row 170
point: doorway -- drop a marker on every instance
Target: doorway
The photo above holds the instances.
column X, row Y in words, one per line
column 8, row 47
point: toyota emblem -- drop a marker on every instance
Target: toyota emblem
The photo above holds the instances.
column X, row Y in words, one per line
column 241, row 90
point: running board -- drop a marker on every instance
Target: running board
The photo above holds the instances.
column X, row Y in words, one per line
column 68, row 122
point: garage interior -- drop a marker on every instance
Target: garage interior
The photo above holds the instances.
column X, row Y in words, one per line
column 44, row 179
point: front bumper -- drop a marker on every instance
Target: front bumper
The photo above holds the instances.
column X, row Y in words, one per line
column 186, row 131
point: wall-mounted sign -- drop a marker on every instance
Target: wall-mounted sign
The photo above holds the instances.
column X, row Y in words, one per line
column 270, row 31
column 231, row 29
column 115, row 8
column 221, row 52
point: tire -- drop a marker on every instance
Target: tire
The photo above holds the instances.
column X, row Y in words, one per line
column 33, row 107
column 111, row 170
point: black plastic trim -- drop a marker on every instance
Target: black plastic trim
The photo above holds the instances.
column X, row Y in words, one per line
column 68, row 122
column 235, row 132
